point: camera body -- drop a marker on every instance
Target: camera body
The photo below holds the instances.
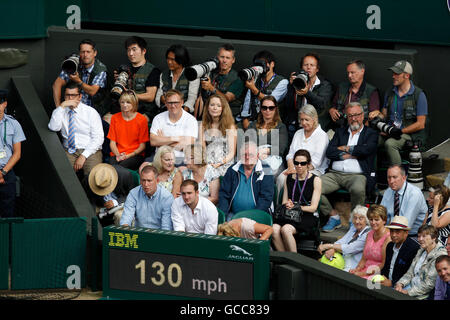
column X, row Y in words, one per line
column 201, row 70
column 259, row 67
column 378, row 124
column 71, row 63
column 301, row 80
column 121, row 82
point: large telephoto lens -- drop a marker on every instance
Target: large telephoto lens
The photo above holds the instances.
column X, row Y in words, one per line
column 70, row 65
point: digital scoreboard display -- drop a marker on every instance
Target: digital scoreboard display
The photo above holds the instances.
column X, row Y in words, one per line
column 141, row 263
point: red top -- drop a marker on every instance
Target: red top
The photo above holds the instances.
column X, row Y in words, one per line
column 128, row 135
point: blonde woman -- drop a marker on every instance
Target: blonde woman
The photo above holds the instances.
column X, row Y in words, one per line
column 128, row 133
column 218, row 133
column 169, row 176
column 245, row 228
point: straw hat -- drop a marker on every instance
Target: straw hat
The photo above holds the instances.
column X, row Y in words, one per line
column 399, row 222
column 103, row 179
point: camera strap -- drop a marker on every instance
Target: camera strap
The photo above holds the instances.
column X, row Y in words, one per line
column 302, row 188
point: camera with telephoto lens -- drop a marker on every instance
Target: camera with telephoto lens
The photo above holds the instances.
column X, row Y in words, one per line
column 259, row 67
column 378, row 124
column 70, row 64
column 121, row 82
column 301, row 80
column 201, row 70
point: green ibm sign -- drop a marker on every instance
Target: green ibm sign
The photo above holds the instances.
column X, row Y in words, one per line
column 141, row 263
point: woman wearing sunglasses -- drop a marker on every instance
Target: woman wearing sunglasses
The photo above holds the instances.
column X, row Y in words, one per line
column 128, row 133
column 271, row 134
column 301, row 187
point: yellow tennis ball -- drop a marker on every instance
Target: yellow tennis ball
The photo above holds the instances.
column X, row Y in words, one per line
column 378, row 278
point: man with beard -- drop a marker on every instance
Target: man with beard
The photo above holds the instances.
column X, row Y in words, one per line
column 352, row 154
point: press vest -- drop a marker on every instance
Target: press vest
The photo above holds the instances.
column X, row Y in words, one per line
column 138, row 85
column 182, row 83
column 364, row 99
column 223, row 87
column 254, row 101
column 98, row 100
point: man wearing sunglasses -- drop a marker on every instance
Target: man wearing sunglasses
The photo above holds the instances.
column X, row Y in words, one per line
column 352, row 154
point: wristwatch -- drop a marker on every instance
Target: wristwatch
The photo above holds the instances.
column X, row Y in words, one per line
column 3, row 172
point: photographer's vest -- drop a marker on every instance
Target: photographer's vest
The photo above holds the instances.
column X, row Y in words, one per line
column 138, row 85
column 255, row 103
column 99, row 99
column 364, row 99
column 223, row 85
column 182, row 83
column 409, row 115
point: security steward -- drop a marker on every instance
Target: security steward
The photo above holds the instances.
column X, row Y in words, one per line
column 10, row 149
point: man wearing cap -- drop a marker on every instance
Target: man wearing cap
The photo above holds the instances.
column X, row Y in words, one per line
column 11, row 136
column 108, row 187
column 405, row 107
column 404, row 199
column 399, row 253
column 148, row 205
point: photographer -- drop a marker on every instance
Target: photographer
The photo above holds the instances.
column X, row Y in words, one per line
column 406, row 108
column 178, row 59
column 144, row 77
column 222, row 80
column 317, row 92
column 355, row 90
column 267, row 83
column 91, row 76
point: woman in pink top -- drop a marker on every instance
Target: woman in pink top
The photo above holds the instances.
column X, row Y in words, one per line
column 374, row 252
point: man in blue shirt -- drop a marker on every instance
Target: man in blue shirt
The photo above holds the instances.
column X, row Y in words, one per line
column 404, row 199
column 406, row 108
column 148, row 205
column 11, row 136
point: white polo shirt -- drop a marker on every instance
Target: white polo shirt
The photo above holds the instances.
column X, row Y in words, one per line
column 203, row 220
column 187, row 125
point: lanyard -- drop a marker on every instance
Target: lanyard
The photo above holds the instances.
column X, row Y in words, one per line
column 263, row 85
column 4, row 133
column 303, row 188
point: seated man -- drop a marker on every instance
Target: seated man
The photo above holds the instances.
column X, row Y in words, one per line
column 91, row 76
column 356, row 89
column 148, row 205
column 352, row 154
column 400, row 252
column 174, row 127
column 192, row 213
column 247, row 184
column 81, row 130
column 406, row 108
column 442, row 288
column 404, row 199
column 107, row 187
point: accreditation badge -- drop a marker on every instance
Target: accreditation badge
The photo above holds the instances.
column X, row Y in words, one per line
column 2, row 154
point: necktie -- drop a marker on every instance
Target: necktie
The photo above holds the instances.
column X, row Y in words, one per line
column 71, row 139
column 396, row 204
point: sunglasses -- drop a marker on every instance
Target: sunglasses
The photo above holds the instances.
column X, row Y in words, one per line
column 300, row 163
column 265, row 108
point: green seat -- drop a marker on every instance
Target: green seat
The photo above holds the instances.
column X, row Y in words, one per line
column 221, row 218
column 256, row 215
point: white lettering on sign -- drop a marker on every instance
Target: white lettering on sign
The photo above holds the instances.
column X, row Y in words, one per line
column 74, row 280
column 374, row 20
column 73, row 22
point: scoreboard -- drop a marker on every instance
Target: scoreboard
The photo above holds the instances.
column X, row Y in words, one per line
column 141, row 263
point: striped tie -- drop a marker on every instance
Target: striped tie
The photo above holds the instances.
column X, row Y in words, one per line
column 396, row 204
column 71, row 139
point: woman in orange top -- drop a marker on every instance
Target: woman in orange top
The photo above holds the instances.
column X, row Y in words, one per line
column 128, row 133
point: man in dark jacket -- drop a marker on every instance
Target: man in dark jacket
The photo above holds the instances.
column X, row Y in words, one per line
column 247, row 184
column 399, row 253
column 352, row 154
column 318, row 92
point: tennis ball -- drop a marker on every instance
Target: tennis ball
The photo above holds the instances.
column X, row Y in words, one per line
column 378, row 278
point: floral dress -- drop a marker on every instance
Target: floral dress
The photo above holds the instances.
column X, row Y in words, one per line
column 203, row 186
column 216, row 151
column 168, row 184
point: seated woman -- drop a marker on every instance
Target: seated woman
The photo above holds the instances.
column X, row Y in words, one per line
column 169, row 176
column 439, row 214
column 302, row 187
column 128, row 133
column 310, row 137
column 420, row 278
column 245, row 228
column 197, row 169
column 218, row 133
column 351, row 245
column 374, row 253
column 271, row 135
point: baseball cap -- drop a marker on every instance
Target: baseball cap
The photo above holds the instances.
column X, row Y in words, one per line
column 402, row 66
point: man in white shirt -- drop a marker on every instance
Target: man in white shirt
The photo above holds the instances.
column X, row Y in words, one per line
column 174, row 127
column 81, row 129
column 192, row 213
